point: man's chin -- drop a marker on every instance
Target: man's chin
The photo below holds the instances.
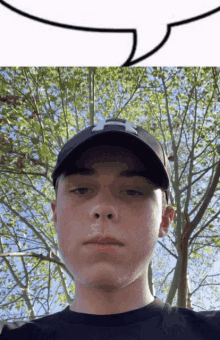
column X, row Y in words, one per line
column 105, row 287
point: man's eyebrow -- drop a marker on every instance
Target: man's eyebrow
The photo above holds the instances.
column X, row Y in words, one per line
column 124, row 173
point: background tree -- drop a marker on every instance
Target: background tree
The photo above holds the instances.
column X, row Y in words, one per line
column 40, row 109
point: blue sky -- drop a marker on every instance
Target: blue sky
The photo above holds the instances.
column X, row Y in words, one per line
column 169, row 265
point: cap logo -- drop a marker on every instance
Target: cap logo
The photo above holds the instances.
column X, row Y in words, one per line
column 128, row 126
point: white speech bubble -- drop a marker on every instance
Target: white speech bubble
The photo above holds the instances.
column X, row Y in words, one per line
column 149, row 19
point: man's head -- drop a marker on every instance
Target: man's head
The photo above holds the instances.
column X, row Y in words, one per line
column 128, row 208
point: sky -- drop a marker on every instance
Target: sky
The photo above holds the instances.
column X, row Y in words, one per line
column 169, row 265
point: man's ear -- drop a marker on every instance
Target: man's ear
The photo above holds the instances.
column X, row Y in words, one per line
column 53, row 207
column 167, row 219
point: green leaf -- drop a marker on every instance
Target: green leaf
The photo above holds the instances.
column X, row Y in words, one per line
column 35, row 140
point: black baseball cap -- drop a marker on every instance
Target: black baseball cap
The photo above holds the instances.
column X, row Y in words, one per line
column 116, row 131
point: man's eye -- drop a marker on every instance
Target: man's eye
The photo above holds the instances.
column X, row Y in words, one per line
column 78, row 189
column 130, row 191
column 140, row 193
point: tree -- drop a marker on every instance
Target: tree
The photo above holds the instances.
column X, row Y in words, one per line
column 179, row 106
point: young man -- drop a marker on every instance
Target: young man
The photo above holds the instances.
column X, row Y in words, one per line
column 114, row 183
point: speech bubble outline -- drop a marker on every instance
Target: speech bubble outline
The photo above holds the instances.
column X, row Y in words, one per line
column 129, row 61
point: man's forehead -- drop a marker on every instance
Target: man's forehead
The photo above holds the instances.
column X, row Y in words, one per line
column 115, row 160
column 107, row 153
column 100, row 157
column 85, row 172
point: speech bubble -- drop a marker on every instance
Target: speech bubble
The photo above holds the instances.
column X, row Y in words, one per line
column 149, row 21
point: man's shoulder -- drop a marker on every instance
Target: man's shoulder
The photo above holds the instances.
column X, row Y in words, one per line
column 25, row 327
column 194, row 321
column 208, row 314
column 11, row 325
column 211, row 317
column 179, row 322
column 8, row 330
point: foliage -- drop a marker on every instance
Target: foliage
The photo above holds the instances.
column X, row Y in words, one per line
column 40, row 109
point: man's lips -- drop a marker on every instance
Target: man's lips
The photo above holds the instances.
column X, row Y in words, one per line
column 104, row 240
column 101, row 247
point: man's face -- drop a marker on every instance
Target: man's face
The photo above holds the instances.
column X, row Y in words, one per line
column 127, row 208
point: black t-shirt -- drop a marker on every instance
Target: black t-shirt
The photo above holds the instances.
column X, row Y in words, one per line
column 156, row 321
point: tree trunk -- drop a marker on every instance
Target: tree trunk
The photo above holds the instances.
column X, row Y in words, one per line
column 91, row 95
